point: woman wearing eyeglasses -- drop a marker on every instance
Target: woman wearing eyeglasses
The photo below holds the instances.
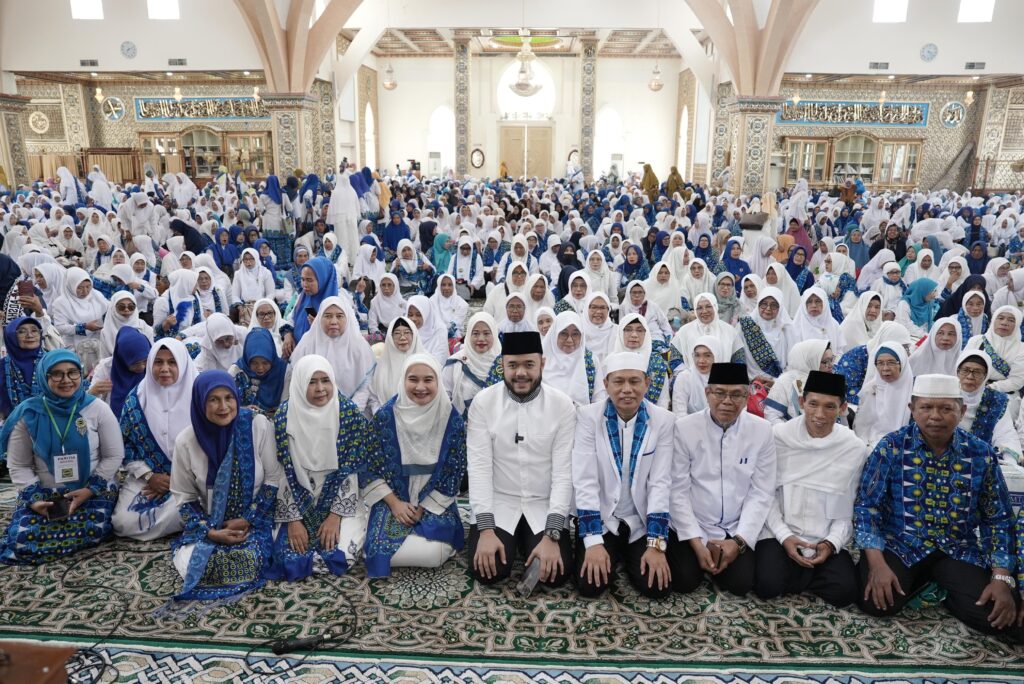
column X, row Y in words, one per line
column 986, row 416
column 767, row 335
column 885, row 396
column 63, row 449
column 23, row 339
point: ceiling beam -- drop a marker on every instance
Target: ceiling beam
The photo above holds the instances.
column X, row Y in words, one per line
column 651, row 36
column 405, row 39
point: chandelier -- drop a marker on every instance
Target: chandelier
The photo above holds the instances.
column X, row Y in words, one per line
column 524, row 85
column 656, row 84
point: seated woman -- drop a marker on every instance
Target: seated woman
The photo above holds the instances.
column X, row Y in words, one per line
column 212, row 298
column 1005, row 350
column 939, row 352
column 633, row 335
column 916, row 310
column 63, row 449
column 415, row 273
column 515, row 315
column 729, row 309
column 251, row 282
column 78, row 314
column 127, row 367
column 543, row 319
column 260, row 374
column 319, row 281
column 467, row 371
column 783, row 400
column 579, row 288
column 320, row 437
column 516, row 282
column 151, row 419
column 335, row 336
column 221, row 343
column 986, row 416
column 432, row 333
column 972, row 316
column 451, row 307
column 415, row 462
column 688, row 386
column 401, row 342
column 796, row 266
column 863, row 322
column 386, row 306
column 767, row 336
column 225, row 482
column 854, row 364
column 598, row 329
column 636, row 301
column 815, row 322
column 568, row 365
column 467, row 268
column 885, row 397
column 267, row 315
column 23, row 340
column 538, row 296
column 178, row 308
column 891, row 287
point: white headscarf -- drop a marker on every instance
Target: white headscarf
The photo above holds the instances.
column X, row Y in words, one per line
column 884, row 406
column 531, row 305
column 777, row 332
column 115, row 321
column 748, row 304
column 566, row 372
column 92, row 307
column 856, row 328
column 915, row 271
column 254, row 322
column 420, row 429
column 579, row 304
column 1009, row 347
column 522, row 325
column 597, row 337
column 433, row 334
column 695, row 286
column 218, row 326
column 53, row 274
column 165, row 408
column 943, row 278
column 928, row 358
column 312, row 430
column 388, row 307
column 787, row 288
column 874, row 269
column 388, row 374
column 479, row 364
column 694, row 380
column 452, row 308
column 666, row 295
column 823, row 326
column 349, row 354
column 364, row 267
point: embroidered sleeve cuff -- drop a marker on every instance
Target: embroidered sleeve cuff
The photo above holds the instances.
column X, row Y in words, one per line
column 590, row 523
column 657, row 525
column 867, row 539
column 485, row 521
column 1000, row 559
column 555, row 521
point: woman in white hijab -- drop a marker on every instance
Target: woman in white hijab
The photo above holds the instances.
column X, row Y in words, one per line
column 814, row 320
column 863, row 322
column 515, row 282
column 49, row 278
column 368, row 265
column 923, row 267
column 170, row 264
column 153, row 416
column 634, row 335
column 221, row 344
column 885, row 396
column 538, row 295
column 515, row 319
column 778, row 277
column 767, row 336
column 251, row 281
column 334, row 335
column 568, row 364
column 579, row 292
column 689, row 382
column 706, row 323
column 178, row 309
column 267, row 315
column 952, row 277
column 662, row 290
column 750, row 286
column 387, row 304
column 939, row 352
column 118, row 316
column 401, row 342
column 890, row 286
column 598, row 328
column 432, row 332
column 872, row 270
column 637, row 301
column 602, row 279
column 783, row 401
column 698, row 280
column 997, row 275
column 1001, row 434
column 1003, row 345
column 466, row 371
column 78, row 313
column 450, row 306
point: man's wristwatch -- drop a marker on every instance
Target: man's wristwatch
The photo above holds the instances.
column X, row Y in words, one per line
column 1006, row 578
column 553, row 534
column 740, row 542
column 657, row 543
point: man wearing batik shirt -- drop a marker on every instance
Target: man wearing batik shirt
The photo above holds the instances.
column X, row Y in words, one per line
column 933, row 506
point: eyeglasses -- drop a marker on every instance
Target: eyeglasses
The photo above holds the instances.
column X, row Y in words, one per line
column 401, row 334
column 28, row 332
column 971, row 373
column 735, row 397
column 768, row 306
column 887, row 364
column 59, row 376
column 124, row 308
column 264, row 314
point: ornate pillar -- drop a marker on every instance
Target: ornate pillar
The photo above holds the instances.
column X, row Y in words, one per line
column 461, row 106
column 588, row 105
column 293, row 130
column 13, row 159
column 751, row 120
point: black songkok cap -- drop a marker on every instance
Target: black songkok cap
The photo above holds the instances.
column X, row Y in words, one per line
column 728, row 374
column 515, row 343
column 832, row 384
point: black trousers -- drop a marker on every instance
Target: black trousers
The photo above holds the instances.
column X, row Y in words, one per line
column 962, row 581
column 687, row 575
column 521, row 543
column 621, row 551
column 776, row 574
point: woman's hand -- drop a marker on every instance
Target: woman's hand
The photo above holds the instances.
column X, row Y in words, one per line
column 170, row 322
column 226, row 536
column 298, row 537
column 329, row 531
column 100, row 387
column 287, row 345
column 78, row 497
column 404, row 512
column 93, row 326
column 157, row 485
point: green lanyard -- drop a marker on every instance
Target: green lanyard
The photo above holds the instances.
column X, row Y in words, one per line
column 71, row 418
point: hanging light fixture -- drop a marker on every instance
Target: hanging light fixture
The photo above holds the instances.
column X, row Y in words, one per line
column 99, row 94
column 177, row 94
column 389, row 82
column 524, row 85
column 655, row 84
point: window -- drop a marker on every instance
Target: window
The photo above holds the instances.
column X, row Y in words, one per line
column 202, row 153
column 163, row 9
column 975, row 11
column 899, row 163
column 249, row 153
column 806, row 160
column 86, row 9
column 889, row 12
column 854, row 156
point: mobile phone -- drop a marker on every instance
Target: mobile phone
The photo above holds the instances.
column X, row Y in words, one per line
column 311, row 312
column 26, row 288
column 60, row 508
column 716, row 553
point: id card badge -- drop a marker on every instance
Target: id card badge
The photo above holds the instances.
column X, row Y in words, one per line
column 65, row 468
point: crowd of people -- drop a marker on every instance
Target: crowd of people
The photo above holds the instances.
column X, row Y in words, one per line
column 287, row 378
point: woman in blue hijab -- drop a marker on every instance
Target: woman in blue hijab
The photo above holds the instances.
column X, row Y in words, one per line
column 733, row 263
column 259, row 374
column 230, row 450
column 977, row 258
column 796, row 267
column 23, row 339
column 633, row 267
column 272, row 202
column 396, row 231
column 917, row 308
column 128, row 365
column 319, row 280
column 63, row 458
column 858, row 250
column 225, row 254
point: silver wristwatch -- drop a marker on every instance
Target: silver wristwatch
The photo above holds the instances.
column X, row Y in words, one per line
column 1006, row 578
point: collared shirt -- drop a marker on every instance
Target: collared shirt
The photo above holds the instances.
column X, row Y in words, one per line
column 625, row 510
column 914, row 502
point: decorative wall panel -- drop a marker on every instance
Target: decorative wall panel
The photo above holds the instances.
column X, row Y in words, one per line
column 462, row 126
column 588, row 107
column 1000, row 145
column 323, row 123
column 67, row 117
column 721, row 132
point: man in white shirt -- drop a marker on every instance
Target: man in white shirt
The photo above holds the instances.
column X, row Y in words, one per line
column 518, row 447
column 811, row 517
column 622, row 475
column 723, row 484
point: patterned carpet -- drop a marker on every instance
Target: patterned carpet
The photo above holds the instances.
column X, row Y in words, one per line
column 425, row 625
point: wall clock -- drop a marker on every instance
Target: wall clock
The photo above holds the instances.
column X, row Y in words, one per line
column 929, row 52
column 476, row 158
column 128, row 49
column 112, row 109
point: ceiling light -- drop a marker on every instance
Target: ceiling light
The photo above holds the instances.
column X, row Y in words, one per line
column 892, row 76
column 177, row 94
column 99, row 95
column 389, row 82
column 169, row 73
column 655, row 83
column 93, row 73
column 245, row 73
column 807, row 75
column 975, row 77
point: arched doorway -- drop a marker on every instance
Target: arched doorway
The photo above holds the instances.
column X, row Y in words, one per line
column 370, row 139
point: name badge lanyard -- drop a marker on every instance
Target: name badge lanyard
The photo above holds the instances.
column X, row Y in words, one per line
column 71, row 418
